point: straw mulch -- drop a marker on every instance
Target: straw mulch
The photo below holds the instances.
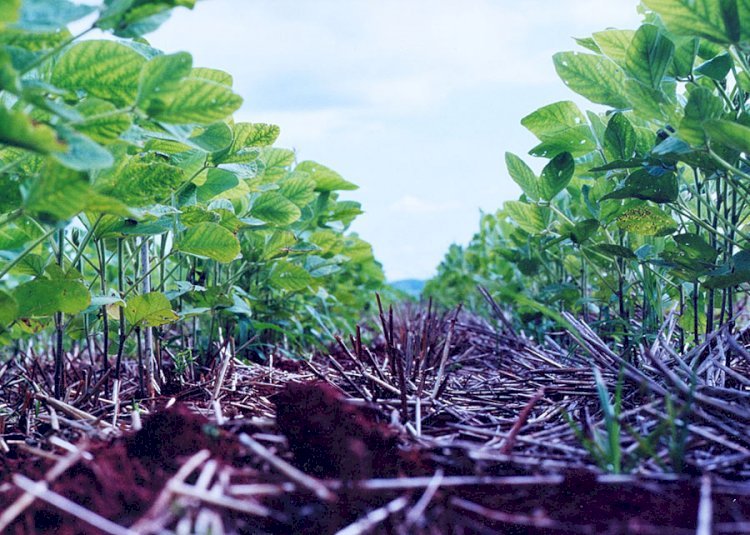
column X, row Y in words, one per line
column 444, row 424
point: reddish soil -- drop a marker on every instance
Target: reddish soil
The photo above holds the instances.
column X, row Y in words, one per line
column 124, row 476
column 494, row 454
column 333, row 439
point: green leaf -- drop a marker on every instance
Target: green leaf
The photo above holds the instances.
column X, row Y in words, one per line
column 278, row 244
column 9, row 78
column 716, row 68
column 102, row 122
column 613, row 250
column 588, row 43
column 212, row 75
column 102, row 204
column 729, row 133
column 647, row 221
column 214, row 138
column 696, row 246
column 194, row 101
column 106, row 300
column 345, row 211
column 140, row 183
column 648, row 103
column 103, row 69
column 641, row 184
column 614, row 44
column 620, row 138
column 83, row 154
column 9, row 11
column 690, row 255
column 649, row 55
column 562, row 128
column 583, row 230
column 16, row 235
column 254, row 135
column 328, row 241
column 522, row 175
column 112, row 227
column 593, row 77
column 149, row 310
column 8, row 307
column 45, row 15
column 530, row 217
column 42, row 297
column 702, row 106
column 274, row 208
column 325, row 179
column 743, row 8
column 162, row 74
column 58, row 193
column 686, row 49
column 11, row 197
column 299, row 189
column 210, row 240
column 22, row 44
column 133, row 18
column 290, row 277
column 733, row 273
column 192, row 215
column 213, row 297
column 19, row 130
column 556, row 175
column 217, row 182
column 247, row 141
column 716, row 20
column 276, row 162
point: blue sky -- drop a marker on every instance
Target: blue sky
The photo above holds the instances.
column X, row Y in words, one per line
column 416, row 101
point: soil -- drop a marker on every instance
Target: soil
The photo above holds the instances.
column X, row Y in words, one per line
column 325, row 446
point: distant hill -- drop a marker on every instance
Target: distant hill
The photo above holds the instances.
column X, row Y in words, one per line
column 412, row 287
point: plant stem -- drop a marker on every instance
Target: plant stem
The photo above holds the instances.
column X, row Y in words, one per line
column 148, row 338
column 59, row 326
column 120, row 291
column 85, row 241
column 105, row 315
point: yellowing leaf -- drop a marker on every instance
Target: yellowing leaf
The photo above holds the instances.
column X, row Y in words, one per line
column 529, row 217
column 210, row 240
column 325, row 179
column 647, row 221
column 276, row 209
column 194, row 101
column 716, row 20
column 104, row 69
column 595, row 77
column 19, row 130
column 8, row 308
column 149, row 310
column 290, row 277
column 42, row 297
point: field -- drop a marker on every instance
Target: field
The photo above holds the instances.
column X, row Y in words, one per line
column 192, row 339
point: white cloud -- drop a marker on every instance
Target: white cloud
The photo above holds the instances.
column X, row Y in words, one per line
column 412, row 205
column 306, row 126
column 392, row 55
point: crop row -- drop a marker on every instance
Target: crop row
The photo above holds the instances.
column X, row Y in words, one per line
column 640, row 211
column 137, row 217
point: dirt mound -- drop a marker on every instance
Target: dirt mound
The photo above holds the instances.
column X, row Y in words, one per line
column 332, row 438
column 123, row 476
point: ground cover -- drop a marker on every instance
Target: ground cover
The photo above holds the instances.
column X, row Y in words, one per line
column 445, row 424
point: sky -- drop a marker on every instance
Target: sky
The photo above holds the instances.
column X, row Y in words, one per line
column 416, row 101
